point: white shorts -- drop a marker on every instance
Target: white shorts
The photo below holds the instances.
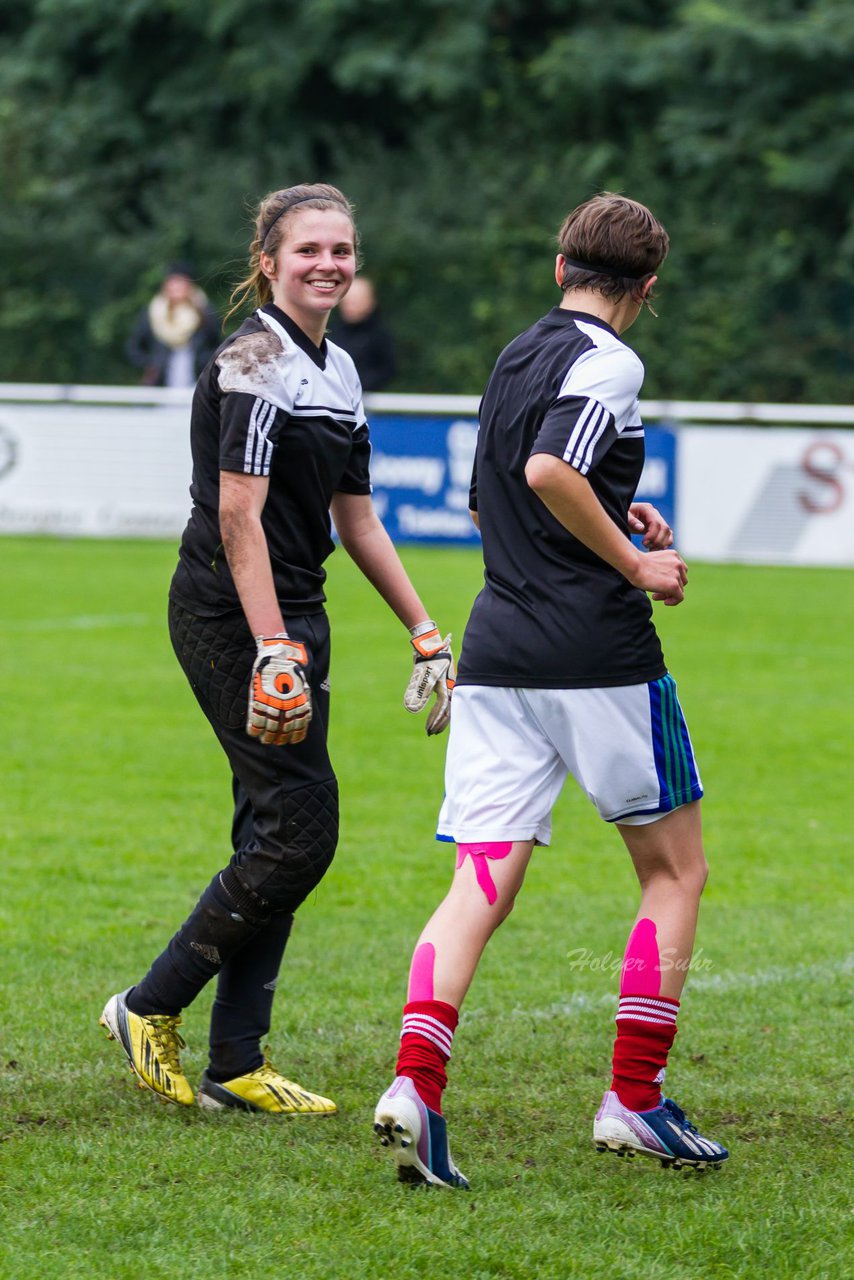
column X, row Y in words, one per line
column 510, row 751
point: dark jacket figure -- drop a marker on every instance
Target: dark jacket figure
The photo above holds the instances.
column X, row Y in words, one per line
column 176, row 335
column 359, row 329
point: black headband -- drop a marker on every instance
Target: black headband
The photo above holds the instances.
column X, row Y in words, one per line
column 287, row 209
column 617, row 273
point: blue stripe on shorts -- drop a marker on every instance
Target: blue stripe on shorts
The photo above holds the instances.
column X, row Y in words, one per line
column 674, row 758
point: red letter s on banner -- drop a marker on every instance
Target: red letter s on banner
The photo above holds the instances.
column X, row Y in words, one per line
column 818, row 466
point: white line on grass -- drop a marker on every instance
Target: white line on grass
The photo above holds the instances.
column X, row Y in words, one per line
column 715, row 983
column 83, row 622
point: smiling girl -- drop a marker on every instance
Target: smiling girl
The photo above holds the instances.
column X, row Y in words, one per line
column 279, row 441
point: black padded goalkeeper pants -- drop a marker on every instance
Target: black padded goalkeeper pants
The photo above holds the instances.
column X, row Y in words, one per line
column 284, row 834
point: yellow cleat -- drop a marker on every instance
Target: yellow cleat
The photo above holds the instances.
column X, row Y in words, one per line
column 263, row 1090
column 153, row 1046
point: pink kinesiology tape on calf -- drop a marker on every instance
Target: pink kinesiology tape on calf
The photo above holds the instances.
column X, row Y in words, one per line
column 421, row 973
column 641, row 971
column 479, row 853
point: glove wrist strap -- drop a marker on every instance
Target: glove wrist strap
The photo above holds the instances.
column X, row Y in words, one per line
column 274, row 639
column 421, row 628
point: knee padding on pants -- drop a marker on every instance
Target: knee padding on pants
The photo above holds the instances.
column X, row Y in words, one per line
column 297, row 849
column 250, row 905
column 221, row 923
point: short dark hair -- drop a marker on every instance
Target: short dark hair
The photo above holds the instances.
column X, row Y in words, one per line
column 616, row 234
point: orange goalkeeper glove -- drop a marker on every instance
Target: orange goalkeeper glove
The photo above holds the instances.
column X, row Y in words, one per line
column 279, row 693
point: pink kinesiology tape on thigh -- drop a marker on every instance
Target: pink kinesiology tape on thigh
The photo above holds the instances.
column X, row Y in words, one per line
column 479, row 853
column 641, row 971
column 421, row 973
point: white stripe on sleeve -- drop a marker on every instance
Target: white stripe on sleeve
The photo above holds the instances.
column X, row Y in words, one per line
column 586, row 434
column 259, row 449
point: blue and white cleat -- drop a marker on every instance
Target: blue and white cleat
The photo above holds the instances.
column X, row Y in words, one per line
column 416, row 1136
column 664, row 1133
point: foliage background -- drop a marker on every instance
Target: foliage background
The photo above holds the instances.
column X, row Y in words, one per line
column 464, row 130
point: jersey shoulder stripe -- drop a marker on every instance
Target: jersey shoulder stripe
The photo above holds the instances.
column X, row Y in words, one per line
column 609, row 374
column 608, row 370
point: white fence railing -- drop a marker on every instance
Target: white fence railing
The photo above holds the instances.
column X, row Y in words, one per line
column 671, row 411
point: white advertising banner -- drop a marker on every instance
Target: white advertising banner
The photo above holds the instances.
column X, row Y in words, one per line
column 94, row 470
column 769, row 495
column 766, row 496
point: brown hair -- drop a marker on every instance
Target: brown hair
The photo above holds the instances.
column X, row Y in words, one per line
column 616, row 234
column 271, row 224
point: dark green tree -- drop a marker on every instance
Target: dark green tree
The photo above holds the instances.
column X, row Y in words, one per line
column 464, row 130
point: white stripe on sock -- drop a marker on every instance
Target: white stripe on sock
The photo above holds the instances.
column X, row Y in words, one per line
column 651, row 1001
column 646, row 1010
column 430, row 1028
column 645, row 1017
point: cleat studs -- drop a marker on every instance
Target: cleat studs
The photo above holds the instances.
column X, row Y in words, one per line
column 398, row 1128
column 383, row 1142
column 378, row 1128
column 405, row 1142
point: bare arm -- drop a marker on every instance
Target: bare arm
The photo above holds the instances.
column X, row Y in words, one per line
column 571, row 500
column 369, row 546
column 241, row 501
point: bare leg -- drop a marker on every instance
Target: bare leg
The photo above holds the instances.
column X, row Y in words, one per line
column 466, row 919
column 408, row 1118
column 671, row 867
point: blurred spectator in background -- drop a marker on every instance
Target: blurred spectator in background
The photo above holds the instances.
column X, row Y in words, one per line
column 358, row 328
column 176, row 334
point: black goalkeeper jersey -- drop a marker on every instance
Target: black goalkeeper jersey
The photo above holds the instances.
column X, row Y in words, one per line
column 552, row 614
column 271, row 403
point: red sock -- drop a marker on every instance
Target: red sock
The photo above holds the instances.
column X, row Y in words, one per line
column 646, row 1027
column 425, row 1047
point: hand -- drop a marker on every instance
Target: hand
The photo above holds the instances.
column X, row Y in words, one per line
column 434, row 672
column 645, row 518
column 663, row 573
column 279, row 693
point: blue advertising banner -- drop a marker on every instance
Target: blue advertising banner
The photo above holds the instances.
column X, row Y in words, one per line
column 421, row 469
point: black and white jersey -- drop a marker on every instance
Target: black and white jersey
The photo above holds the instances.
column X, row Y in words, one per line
column 271, row 403
column 552, row 614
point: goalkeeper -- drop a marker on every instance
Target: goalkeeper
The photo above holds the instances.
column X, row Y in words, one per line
column 279, row 439
column 562, row 672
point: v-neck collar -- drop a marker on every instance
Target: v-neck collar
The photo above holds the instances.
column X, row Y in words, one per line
column 316, row 354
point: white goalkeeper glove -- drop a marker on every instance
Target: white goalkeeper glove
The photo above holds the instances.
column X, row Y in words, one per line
column 434, row 672
column 279, row 693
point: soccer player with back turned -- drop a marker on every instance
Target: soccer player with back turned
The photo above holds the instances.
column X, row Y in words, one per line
column 562, row 672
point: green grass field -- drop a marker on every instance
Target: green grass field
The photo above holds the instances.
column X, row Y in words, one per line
column 115, row 814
